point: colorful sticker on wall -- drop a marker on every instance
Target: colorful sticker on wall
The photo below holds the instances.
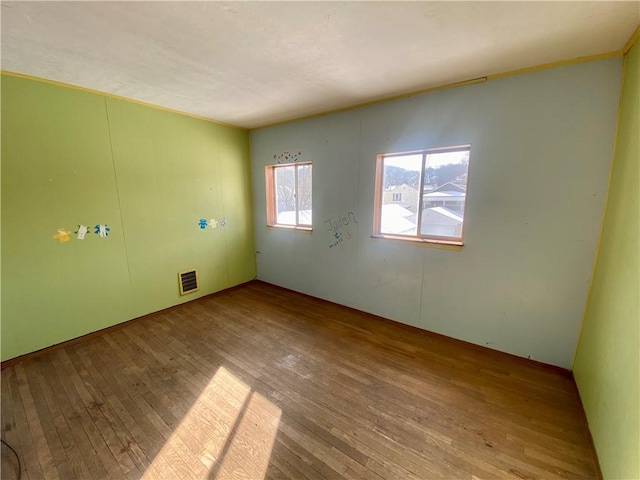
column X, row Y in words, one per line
column 213, row 223
column 102, row 230
column 223, row 222
column 63, row 235
column 202, row 223
column 82, row 231
column 287, row 157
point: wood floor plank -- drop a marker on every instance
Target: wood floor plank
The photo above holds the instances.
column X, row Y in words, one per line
column 142, row 440
column 59, row 460
column 71, row 416
column 86, row 407
column 42, row 450
column 99, row 411
column 318, row 394
column 290, row 463
column 10, row 467
column 150, row 413
column 261, row 382
column 77, row 464
column 119, row 421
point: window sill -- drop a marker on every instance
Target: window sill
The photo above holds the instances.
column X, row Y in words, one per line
column 292, row 228
column 422, row 242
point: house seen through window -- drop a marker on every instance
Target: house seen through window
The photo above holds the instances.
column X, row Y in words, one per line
column 289, row 188
column 421, row 195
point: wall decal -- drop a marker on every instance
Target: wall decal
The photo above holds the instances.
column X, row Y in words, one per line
column 287, row 157
column 63, row 235
column 202, row 223
column 223, row 222
column 213, row 223
column 102, row 230
column 82, row 231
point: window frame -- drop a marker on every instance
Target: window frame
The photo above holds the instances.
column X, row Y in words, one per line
column 426, row 239
column 270, row 183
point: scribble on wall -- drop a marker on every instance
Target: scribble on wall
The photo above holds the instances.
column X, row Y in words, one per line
column 336, row 225
column 338, row 239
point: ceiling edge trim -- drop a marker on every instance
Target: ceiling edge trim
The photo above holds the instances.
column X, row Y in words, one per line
column 376, row 102
column 631, row 42
column 117, row 97
column 589, row 58
column 603, row 216
column 561, row 63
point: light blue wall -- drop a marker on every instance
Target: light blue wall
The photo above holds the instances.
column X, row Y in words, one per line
column 540, row 157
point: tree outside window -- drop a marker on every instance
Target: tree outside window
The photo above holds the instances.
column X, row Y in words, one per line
column 289, row 195
column 433, row 183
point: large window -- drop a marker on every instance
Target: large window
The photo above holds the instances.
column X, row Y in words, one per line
column 421, row 195
column 289, row 195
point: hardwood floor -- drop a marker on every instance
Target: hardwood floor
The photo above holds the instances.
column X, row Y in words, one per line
column 260, row 382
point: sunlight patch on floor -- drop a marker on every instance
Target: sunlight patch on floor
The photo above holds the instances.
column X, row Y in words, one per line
column 227, row 433
column 250, row 448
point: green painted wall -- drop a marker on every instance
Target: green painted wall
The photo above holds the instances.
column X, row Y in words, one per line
column 607, row 364
column 70, row 157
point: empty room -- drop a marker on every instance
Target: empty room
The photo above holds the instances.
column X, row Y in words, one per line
column 320, row 240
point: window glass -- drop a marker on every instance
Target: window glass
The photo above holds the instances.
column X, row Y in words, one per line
column 422, row 195
column 289, row 195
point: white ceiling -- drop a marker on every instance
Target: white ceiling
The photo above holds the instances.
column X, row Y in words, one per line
column 255, row 63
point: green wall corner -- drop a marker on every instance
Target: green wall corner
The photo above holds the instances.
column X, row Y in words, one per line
column 607, row 363
column 74, row 158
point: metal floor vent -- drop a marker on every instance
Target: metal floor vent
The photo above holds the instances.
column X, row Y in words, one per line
column 188, row 281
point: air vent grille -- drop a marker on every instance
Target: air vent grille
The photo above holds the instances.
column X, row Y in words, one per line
column 188, row 281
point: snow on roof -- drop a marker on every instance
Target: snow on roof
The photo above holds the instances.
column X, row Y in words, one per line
column 456, row 216
column 289, row 217
column 394, row 220
column 446, row 187
column 395, row 209
column 444, row 194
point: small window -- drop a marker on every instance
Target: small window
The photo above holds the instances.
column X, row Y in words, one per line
column 434, row 188
column 289, row 195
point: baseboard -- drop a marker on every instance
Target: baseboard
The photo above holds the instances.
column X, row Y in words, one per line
column 89, row 336
column 83, row 338
column 527, row 361
column 596, row 462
